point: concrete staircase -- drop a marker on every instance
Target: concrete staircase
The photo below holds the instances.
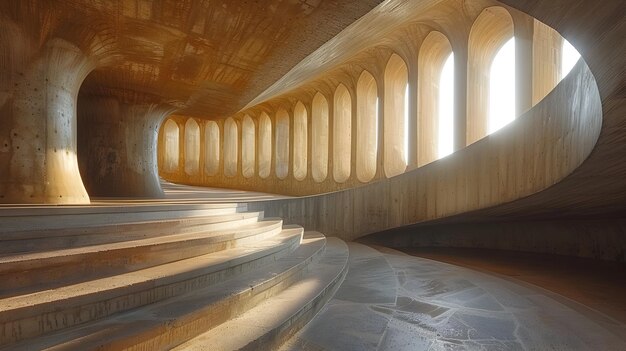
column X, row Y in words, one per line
column 157, row 276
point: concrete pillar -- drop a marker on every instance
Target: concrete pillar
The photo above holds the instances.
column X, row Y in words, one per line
column 460, row 97
column 523, row 29
column 38, row 162
column 547, row 60
column 380, row 157
column 412, row 125
column 309, row 140
column 353, row 133
column 202, row 156
column 118, row 147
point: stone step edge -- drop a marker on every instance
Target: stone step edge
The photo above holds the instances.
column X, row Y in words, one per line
column 19, row 278
column 290, row 322
column 94, row 302
column 231, row 297
column 10, row 223
column 42, row 259
column 102, row 229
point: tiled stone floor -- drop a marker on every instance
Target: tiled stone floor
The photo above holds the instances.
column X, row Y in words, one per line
column 392, row 301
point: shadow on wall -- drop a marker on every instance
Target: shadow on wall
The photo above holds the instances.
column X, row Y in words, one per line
column 603, row 239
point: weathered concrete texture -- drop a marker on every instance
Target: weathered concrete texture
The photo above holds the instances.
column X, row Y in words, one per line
column 117, row 147
column 393, row 301
column 602, row 239
column 38, row 91
column 531, row 154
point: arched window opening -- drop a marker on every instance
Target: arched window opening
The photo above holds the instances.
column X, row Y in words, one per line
column 192, row 147
column 265, row 145
column 395, row 114
column 446, row 109
column 366, row 127
column 502, row 87
column 319, row 134
column 248, row 147
column 299, row 141
column 435, row 98
column 491, row 30
column 569, row 58
column 171, row 131
column 230, row 147
column 342, row 134
column 211, row 148
column 282, row 144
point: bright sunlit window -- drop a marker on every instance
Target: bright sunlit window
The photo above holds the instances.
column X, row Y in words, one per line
column 570, row 56
column 446, row 110
column 502, row 87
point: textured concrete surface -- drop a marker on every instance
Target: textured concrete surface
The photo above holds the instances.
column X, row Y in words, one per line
column 392, row 301
column 596, row 284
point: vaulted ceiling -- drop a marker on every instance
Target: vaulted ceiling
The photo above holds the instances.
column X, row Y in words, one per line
column 206, row 57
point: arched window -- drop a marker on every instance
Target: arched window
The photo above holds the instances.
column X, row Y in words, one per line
column 366, row 127
column 230, row 147
column 502, row 87
column 342, row 134
column 171, row 131
column 319, row 134
column 282, row 144
column 435, row 100
column 395, row 116
column 491, row 30
column 211, row 148
column 299, row 141
column 265, row 145
column 569, row 58
column 192, row 147
column 248, row 146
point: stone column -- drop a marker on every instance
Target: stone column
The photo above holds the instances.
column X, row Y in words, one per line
column 547, row 47
column 38, row 93
column 523, row 28
column 118, row 147
column 460, row 97
column 380, row 152
column 412, row 126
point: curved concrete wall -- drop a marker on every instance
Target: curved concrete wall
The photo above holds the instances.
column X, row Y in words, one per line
column 534, row 152
column 563, row 160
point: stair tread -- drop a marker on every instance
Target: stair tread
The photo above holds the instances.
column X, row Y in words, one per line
column 157, row 275
column 33, row 217
column 176, row 311
column 81, row 231
column 278, row 310
column 38, row 258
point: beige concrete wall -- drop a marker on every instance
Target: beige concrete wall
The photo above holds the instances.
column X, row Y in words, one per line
column 540, row 148
column 413, row 55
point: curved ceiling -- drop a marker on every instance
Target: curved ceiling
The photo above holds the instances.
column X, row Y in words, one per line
column 208, row 58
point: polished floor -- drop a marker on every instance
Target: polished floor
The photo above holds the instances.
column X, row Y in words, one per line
column 393, row 301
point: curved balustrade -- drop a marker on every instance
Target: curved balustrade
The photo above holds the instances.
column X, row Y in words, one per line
column 514, row 162
column 514, row 169
column 378, row 115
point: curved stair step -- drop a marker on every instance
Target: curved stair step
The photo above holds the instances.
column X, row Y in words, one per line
column 171, row 322
column 40, row 240
column 268, row 325
column 29, row 218
column 36, row 314
column 25, row 272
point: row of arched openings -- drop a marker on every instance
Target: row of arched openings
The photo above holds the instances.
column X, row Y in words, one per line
column 491, row 67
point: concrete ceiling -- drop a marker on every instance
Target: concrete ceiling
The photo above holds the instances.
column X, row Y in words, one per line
column 209, row 58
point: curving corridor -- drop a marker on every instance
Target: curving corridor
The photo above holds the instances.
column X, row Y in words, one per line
column 312, row 175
